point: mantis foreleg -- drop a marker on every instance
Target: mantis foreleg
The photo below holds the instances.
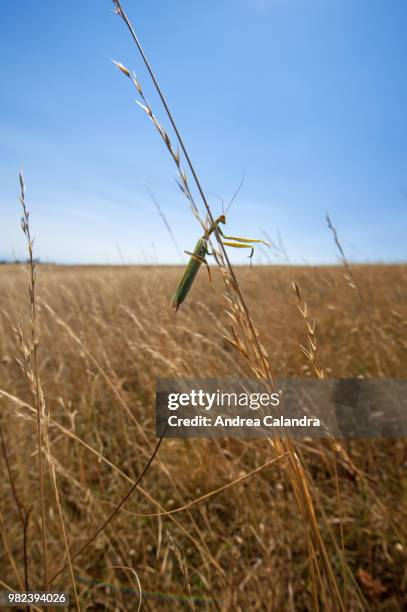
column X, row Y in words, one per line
column 202, row 260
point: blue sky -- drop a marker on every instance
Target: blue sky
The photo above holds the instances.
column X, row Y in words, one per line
column 308, row 97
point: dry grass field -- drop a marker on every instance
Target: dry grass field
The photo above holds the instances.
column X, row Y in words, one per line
column 105, row 335
column 92, row 503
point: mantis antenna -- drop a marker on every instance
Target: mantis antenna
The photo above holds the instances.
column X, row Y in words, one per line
column 215, row 195
column 236, row 192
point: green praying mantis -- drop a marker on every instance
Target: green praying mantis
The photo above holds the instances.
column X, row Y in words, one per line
column 198, row 257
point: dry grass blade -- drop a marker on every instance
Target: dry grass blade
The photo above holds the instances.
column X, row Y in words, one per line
column 167, row 225
column 114, row 513
column 31, row 368
column 30, row 351
column 353, row 284
column 133, row 572
column 310, row 352
column 349, row 276
column 200, row 499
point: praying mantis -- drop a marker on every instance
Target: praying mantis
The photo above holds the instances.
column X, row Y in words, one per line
column 198, row 257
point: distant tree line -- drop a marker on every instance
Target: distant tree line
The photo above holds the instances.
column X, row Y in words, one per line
column 4, row 262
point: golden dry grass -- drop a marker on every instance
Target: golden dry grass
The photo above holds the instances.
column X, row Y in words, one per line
column 106, row 334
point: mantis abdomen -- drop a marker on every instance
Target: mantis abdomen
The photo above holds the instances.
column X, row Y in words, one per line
column 190, row 273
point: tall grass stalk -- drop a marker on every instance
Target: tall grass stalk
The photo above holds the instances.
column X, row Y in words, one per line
column 245, row 338
column 351, row 281
column 31, row 369
column 32, row 372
